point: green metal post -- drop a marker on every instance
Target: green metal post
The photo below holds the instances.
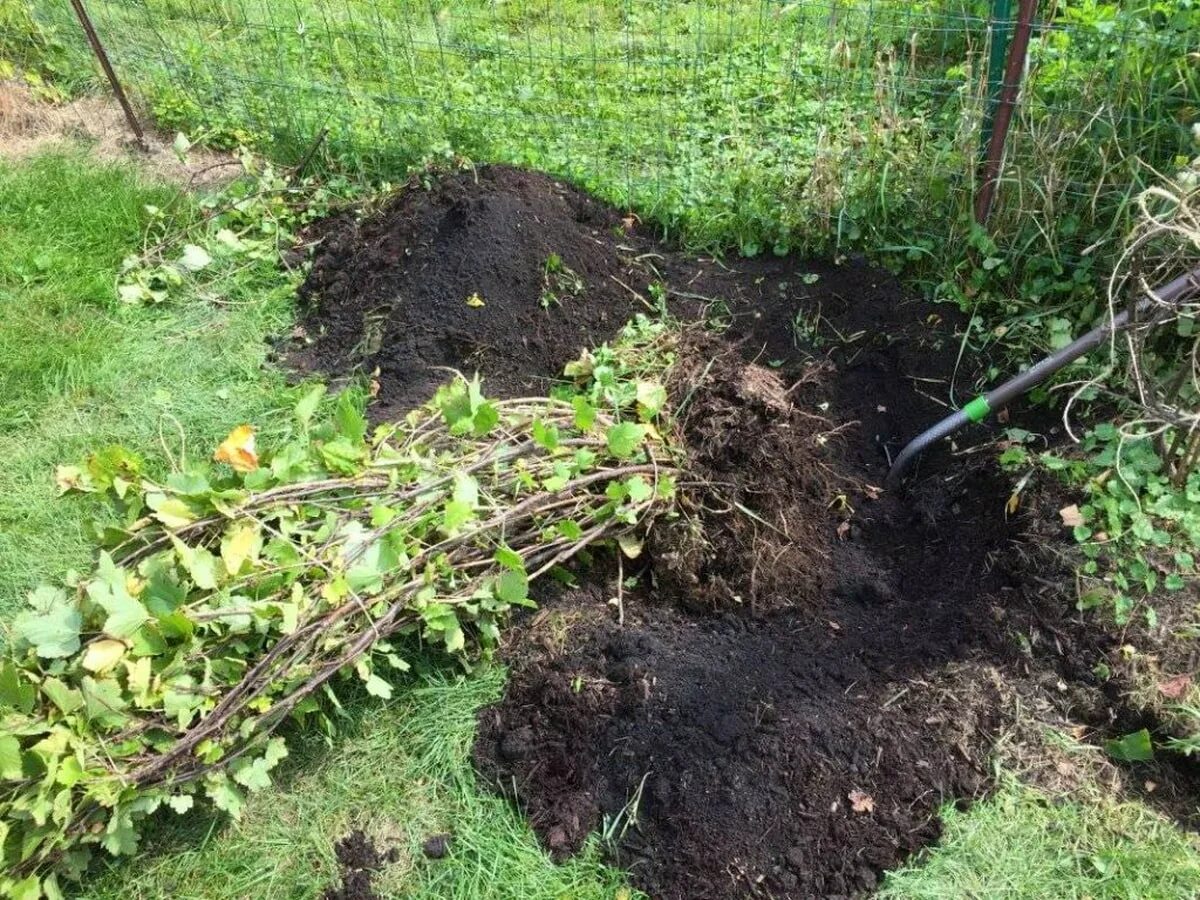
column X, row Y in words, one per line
column 1001, row 26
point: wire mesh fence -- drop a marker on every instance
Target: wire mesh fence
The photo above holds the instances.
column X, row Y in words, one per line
column 815, row 125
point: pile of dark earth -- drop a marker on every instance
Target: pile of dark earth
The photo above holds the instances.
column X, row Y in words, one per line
column 807, row 667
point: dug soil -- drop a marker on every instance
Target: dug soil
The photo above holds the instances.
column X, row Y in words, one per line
column 777, row 696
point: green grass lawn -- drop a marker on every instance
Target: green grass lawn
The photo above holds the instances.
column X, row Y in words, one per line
column 80, row 370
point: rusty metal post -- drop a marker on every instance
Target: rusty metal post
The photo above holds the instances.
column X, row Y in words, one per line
column 102, row 55
column 1013, row 72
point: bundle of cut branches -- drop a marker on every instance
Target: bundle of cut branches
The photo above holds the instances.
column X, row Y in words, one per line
column 231, row 599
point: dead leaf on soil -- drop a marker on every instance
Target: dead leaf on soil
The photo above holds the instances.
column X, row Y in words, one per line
column 238, row 450
column 1175, row 687
column 861, row 802
column 1071, row 517
column 872, row 492
column 842, row 530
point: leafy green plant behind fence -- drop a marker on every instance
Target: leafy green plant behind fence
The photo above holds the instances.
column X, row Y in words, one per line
column 764, row 126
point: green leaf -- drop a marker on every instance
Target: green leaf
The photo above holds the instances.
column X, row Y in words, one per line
column 348, row 418
column 125, row 613
column 194, row 258
column 377, row 687
column 52, row 627
column 651, row 398
column 15, row 691
column 198, row 563
column 461, row 508
column 306, row 407
column 343, row 456
column 103, row 702
column 545, row 435
column 67, row 699
column 585, row 413
column 455, row 640
column 189, row 484
column 510, row 559
column 181, row 803
column 625, row 438
column 1133, row 747
column 10, row 758
column 225, row 795
column 638, row 490
column 513, row 587
column 171, row 511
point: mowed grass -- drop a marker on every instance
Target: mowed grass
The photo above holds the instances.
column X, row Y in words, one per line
column 1023, row 844
column 401, row 773
column 80, row 370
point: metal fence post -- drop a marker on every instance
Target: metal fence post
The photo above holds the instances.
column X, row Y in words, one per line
column 1001, row 28
column 1006, row 103
column 101, row 55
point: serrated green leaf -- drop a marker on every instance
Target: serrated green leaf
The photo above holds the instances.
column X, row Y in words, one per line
column 181, row 803
column 638, row 490
column 624, row 439
column 171, row 511
column 199, row 563
column 585, row 413
column 545, row 435
column 513, row 587
column 455, row 639
column 225, row 795
column 510, row 559
column 651, row 398
column 52, row 626
column 126, row 614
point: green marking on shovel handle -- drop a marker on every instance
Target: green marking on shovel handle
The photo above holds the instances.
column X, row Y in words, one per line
column 977, row 410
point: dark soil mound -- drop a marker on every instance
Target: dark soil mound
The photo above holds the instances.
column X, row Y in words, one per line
column 808, row 666
column 401, row 291
column 796, row 752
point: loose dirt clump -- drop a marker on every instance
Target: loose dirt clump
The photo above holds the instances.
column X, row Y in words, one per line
column 775, row 698
column 755, row 489
column 359, row 861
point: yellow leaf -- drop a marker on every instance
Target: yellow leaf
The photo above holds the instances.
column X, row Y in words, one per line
column 241, row 542
column 238, row 449
column 72, row 478
column 138, row 672
column 475, row 301
column 103, row 654
column 1014, row 501
column 630, row 545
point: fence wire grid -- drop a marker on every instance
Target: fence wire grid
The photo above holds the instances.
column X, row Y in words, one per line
column 756, row 124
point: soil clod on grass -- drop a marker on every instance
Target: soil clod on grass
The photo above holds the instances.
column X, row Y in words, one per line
column 807, row 667
column 359, row 861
